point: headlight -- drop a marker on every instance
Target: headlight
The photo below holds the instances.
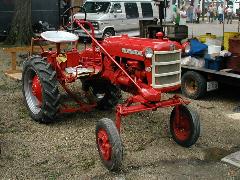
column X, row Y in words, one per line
column 148, row 52
column 95, row 25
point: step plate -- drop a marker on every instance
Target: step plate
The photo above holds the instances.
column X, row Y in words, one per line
column 81, row 71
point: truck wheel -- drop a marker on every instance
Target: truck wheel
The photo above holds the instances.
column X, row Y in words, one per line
column 109, row 144
column 108, row 32
column 193, row 85
column 184, row 125
column 105, row 94
column 40, row 90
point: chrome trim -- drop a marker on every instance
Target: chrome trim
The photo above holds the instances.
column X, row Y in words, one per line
column 155, row 64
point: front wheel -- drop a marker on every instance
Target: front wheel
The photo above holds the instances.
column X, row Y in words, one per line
column 109, row 144
column 184, row 125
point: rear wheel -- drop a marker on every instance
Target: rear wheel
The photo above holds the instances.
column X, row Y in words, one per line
column 109, row 144
column 105, row 94
column 184, row 125
column 40, row 90
column 193, row 85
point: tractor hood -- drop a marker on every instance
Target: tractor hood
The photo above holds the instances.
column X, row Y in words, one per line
column 134, row 48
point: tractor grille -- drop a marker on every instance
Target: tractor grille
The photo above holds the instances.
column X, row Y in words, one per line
column 166, row 69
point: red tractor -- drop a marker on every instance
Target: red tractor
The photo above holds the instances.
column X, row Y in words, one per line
column 145, row 68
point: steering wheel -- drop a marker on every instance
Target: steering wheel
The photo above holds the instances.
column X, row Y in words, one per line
column 70, row 25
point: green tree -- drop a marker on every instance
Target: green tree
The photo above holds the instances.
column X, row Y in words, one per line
column 21, row 27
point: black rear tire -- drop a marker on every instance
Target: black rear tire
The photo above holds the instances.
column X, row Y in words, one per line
column 109, row 144
column 193, row 85
column 187, row 132
column 46, row 110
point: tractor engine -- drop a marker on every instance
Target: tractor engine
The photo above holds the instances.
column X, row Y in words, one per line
column 150, row 62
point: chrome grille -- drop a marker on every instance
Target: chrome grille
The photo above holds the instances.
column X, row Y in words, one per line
column 166, row 69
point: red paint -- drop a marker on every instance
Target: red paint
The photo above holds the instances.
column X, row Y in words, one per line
column 181, row 126
column 104, row 144
column 37, row 88
column 184, row 45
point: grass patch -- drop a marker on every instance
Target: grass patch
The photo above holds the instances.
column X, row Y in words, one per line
column 8, row 157
column 4, row 87
column 22, row 112
column 52, row 175
column 85, row 163
column 9, row 129
column 25, row 153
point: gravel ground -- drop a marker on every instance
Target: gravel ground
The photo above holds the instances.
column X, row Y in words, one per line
column 67, row 149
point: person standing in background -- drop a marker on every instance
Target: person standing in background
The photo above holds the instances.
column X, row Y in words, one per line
column 169, row 14
column 220, row 13
column 215, row 14
column 183, row 16
column 190, row 11
column 229, row 14
column 198, row 13
column 211, row 13
column 176, row 16
column 208, row 15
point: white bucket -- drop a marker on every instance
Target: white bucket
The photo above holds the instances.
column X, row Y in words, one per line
column 212, row 49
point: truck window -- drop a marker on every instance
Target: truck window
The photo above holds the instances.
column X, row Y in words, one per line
column 131, row 10
column 116, row 8
column 97, row 7
column 147, row 10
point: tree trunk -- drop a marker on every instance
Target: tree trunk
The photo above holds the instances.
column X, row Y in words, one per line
column 21, row 27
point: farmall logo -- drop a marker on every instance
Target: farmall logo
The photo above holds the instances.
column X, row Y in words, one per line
column 133, row 52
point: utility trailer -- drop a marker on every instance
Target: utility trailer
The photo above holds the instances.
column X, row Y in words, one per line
column 196, row 82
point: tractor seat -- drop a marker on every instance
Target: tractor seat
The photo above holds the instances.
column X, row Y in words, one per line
column 59, row 36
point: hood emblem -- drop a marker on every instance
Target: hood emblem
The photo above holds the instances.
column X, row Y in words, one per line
column 133, row 52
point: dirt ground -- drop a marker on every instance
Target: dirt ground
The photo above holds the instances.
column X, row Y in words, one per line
column 67, row 150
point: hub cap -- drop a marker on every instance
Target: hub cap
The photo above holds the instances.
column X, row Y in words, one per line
column 191, row 86
column 104, row 145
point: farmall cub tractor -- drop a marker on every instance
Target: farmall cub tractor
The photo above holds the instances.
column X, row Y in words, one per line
column 145, row 68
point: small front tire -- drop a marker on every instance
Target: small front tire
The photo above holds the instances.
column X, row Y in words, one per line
column 109, row 144
column 184, row 125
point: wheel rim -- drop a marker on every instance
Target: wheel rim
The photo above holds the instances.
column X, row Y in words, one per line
column 104, row 145
column 33, row 91
column 37, row 88
column 191, row 86
column 182, row 128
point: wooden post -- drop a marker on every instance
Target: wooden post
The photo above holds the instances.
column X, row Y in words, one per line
column 14, row 61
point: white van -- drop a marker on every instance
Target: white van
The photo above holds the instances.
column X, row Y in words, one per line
column 112, row 17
